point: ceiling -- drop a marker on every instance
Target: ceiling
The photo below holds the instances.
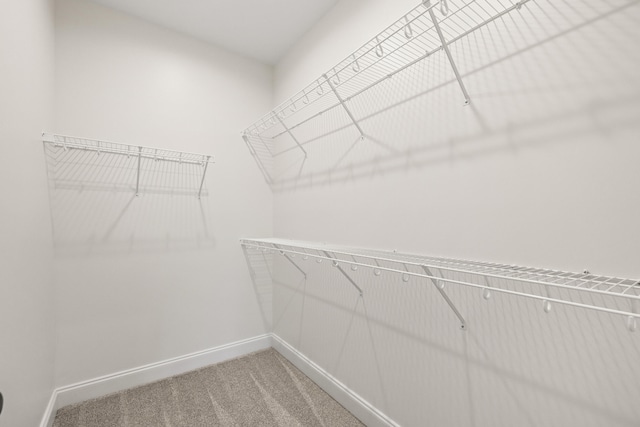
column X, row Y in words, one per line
column 260, row 29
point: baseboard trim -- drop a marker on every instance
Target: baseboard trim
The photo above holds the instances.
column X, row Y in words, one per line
column 354, row 403
column 123, row 380
column 49, row 413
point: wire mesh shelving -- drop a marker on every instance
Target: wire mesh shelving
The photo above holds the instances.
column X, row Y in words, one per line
column 429, row 28
column 617, row 296
column 83, row 163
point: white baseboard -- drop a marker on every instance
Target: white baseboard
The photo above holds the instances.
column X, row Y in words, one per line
column 123, row 380
column 50, row 412
column 355, row 404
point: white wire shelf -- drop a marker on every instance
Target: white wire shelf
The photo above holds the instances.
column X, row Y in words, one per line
column 611, row 295
column 76, row 162
column 427, row 29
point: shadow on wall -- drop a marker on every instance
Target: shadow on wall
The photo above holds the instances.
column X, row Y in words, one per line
column 260, row 264
column 95, row 210
column 551, row 72
column 399, row 346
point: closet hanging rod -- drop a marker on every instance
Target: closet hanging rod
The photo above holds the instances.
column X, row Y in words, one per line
column 137, row 151
column 349, row 256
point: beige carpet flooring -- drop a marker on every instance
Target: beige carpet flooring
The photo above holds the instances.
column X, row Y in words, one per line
column 260, row 389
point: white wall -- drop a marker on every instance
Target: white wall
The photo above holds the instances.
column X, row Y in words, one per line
column 26, row 289
column 144, row 279
column 553, row 176
column 540, row 171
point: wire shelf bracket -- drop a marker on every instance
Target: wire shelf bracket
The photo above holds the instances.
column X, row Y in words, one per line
column 612, row 295
column 204, row 173
column 445, row 45
column 291, row 135
column 288, row 258
column 440, row 288
column 344, row 273
column 344, row 105
column 138, row 173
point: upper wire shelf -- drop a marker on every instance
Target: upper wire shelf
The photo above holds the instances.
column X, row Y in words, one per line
column 97, row 164
column 430, row 27
column 612, row 295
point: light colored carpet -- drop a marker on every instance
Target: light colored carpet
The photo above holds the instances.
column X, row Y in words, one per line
column 260, row 389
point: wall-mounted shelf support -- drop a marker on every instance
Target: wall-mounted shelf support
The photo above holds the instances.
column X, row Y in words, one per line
column 445, row 46
column 344, row 105
column 440, row 289
column 252, row 150
column 138, row 173
column 204, row 173
column 291, row 135
column 344, row 273
column 288, row 258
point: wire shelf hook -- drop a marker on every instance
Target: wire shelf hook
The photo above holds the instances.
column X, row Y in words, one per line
column 379, row 49
column 405, row 276
column 354, row 265
column 376, row 271
column 408, row 31
column 355, row 65
column 444, row 7
column 336, row 77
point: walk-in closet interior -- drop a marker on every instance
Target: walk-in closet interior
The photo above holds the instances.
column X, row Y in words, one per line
column 320, row 213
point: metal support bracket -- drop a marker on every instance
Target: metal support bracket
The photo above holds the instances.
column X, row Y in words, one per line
column 344, row 105
column 253, row 152
column 445, row 46
column 291, row 261
column 249, row 146
column 138, row 175
column 344, row 273
column 206, row 163
column 291, row 135
column 463, row 323
column 252, row 272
